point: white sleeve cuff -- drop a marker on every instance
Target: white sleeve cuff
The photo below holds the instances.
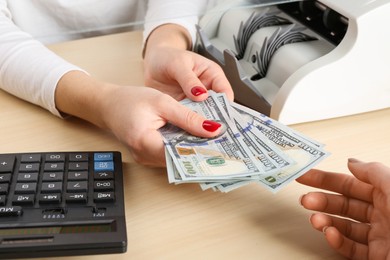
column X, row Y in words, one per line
column 181, row 12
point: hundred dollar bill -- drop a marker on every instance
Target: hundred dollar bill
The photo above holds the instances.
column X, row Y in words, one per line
column 225, row 156
column 226, row 186
column 173, row 174
column 263, row 149
column 256, row 135
column 300, row 148
column 296, row 143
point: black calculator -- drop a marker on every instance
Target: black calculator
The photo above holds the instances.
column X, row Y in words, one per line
column 61, row 204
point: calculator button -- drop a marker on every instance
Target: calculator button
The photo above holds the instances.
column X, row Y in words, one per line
column 30, row 158
column 51, row 187
column 78, row 157
column 77, row 186
column 103, row 197
column 78, row 176
column 103, row 185
column 55, row 157
column 4, row 188
column 28, row 177
column 29, row 167
column 99, row 211
column 25, row 199
column 52, row 167
column 104, row 166
column 5, row 178
column 78, row 166
column 10, row 211
column 50, row 198
column 52, row 176
column 103, row 157
column 25, row 188
column 104, row 175
column 3, row 200
column 76, row 197
column 7, row 163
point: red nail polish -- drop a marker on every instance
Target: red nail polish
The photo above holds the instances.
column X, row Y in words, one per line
column 211, row 126
column 197, row 91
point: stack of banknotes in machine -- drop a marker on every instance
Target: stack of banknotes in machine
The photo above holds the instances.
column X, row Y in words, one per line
column 250, row 148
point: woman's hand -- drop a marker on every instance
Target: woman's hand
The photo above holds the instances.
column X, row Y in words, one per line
column 172, row 68
column 133, row 114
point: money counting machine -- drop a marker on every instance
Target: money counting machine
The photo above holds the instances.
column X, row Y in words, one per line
column 300, row 61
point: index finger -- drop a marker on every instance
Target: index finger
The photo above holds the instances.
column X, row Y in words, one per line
column 341, row 183
column 214, row 78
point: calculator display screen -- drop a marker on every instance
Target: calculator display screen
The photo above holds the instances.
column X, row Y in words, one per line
column 68, row 229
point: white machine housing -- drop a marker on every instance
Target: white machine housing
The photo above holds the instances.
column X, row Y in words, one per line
column 313, row 80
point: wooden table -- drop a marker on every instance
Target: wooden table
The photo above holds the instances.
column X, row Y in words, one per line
column 166, row 221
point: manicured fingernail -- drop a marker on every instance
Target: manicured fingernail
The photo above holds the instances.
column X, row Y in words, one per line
column 324, row 229
column 197, row 91
column 211, row 126
column 353, row 160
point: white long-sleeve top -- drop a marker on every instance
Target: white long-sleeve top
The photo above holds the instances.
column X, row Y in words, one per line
column 30, row 71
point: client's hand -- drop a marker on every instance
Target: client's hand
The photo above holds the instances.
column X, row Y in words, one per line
column 364, row 199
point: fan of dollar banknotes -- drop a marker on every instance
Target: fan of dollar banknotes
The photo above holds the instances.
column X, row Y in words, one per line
column 250, row 148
